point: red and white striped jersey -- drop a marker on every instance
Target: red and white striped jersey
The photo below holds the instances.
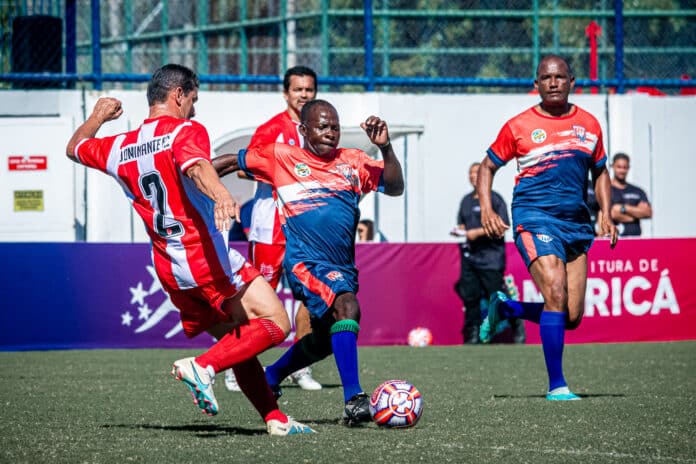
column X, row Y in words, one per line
column 150, row 164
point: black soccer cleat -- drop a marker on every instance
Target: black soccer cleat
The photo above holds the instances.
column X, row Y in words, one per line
column 357, row 410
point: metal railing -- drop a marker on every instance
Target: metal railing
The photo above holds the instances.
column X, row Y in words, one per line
column 388, row 58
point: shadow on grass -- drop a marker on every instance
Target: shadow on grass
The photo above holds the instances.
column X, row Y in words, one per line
column 202, row 430
column 583, row 395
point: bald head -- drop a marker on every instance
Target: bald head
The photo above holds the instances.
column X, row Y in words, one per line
column 558, row 61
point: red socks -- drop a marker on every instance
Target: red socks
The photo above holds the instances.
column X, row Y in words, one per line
column 252, row 381
column 242, row 344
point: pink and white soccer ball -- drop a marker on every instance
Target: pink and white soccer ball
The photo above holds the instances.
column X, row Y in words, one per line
column 396, row 404
column 420, row 336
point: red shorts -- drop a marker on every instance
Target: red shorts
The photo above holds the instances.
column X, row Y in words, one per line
column 200, row 307
column 268, row 259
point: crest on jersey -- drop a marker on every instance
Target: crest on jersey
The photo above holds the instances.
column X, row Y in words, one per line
column 302, row 170
column 579, row 132
column 291, row 142
column 334, row 276
column 538, row 135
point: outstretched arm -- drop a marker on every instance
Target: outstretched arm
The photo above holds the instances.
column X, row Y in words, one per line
column 602, row 188
column 106, row 109
column 492, row 223
column 226, row 164
column 378, row 133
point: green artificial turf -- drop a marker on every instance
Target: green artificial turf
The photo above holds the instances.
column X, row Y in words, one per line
column 481, row 404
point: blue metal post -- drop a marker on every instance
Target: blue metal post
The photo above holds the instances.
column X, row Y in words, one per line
column 96, row 45
column 619, row 44
column 369, row 47
column 70, row 37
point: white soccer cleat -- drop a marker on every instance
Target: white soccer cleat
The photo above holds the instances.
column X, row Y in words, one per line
column 231, row 381
column 303, row 378
column 291, row 427
column 199, row 382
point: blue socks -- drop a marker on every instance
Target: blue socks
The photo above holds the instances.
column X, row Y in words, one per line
column 293, row 359
column 552, row 331
column 344, row 340
column 521, row 310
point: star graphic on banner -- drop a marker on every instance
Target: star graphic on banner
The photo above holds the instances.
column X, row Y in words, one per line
column 144, row 312
column 126, row 318
column 138, row 294
column 156, row 285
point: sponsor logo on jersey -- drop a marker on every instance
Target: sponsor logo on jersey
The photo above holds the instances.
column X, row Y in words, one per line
column 302, row 170
column 334, row 276
column 544, row 238
column 538, row 135
column 580, row 132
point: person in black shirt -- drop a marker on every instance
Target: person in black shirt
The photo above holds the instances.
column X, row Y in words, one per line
column 629, row 203
column 482, row 259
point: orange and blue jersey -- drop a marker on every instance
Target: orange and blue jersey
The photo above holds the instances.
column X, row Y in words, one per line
column 554, row 156
column 317, row 200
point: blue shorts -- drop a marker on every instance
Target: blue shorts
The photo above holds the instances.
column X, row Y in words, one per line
column 318, row 284
column 563, row 239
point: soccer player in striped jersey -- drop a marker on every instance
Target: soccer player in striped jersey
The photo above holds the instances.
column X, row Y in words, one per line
column 318, row 189
column 555, row 144
column 164, row 168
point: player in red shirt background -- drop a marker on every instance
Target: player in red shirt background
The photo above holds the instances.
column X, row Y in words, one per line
column 556, row 144
column 266, row 239
column 165, row 170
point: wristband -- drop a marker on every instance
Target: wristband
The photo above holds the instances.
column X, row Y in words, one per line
column 381, row 147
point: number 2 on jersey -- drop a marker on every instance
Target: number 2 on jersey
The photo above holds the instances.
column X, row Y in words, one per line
column 153, row 189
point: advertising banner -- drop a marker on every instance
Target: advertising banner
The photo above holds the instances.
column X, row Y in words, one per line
column 82, row 295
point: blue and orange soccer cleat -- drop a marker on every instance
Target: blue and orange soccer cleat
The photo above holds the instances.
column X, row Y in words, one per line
column 490, row 324
column 199, row 382
column 562, row 394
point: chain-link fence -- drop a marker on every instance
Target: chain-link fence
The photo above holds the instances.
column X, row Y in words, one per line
column 390, row 45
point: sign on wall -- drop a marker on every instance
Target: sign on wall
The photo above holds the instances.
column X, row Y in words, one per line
column 27, row 162
column 28, row 200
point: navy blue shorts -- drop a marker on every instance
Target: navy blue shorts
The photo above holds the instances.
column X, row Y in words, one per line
column 563, row 239
column 318, row 284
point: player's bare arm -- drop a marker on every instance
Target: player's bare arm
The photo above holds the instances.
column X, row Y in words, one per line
column 226, row 164
column 602, row 188
column 106, row 109
column 378, row 133
column 208, row 182
column 492, row 223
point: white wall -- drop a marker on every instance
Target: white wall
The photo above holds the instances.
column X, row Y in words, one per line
column 443, row 135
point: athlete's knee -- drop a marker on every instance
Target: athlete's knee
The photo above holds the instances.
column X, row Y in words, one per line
column 346, row 306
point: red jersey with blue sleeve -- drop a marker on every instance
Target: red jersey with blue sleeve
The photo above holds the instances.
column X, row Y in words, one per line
column 150, row 164
column 317, row 198
column 554, row 156
column 265, row 225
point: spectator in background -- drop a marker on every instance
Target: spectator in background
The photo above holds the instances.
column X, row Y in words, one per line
column 629, row 203
column 366, row 230
column 482, row 259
